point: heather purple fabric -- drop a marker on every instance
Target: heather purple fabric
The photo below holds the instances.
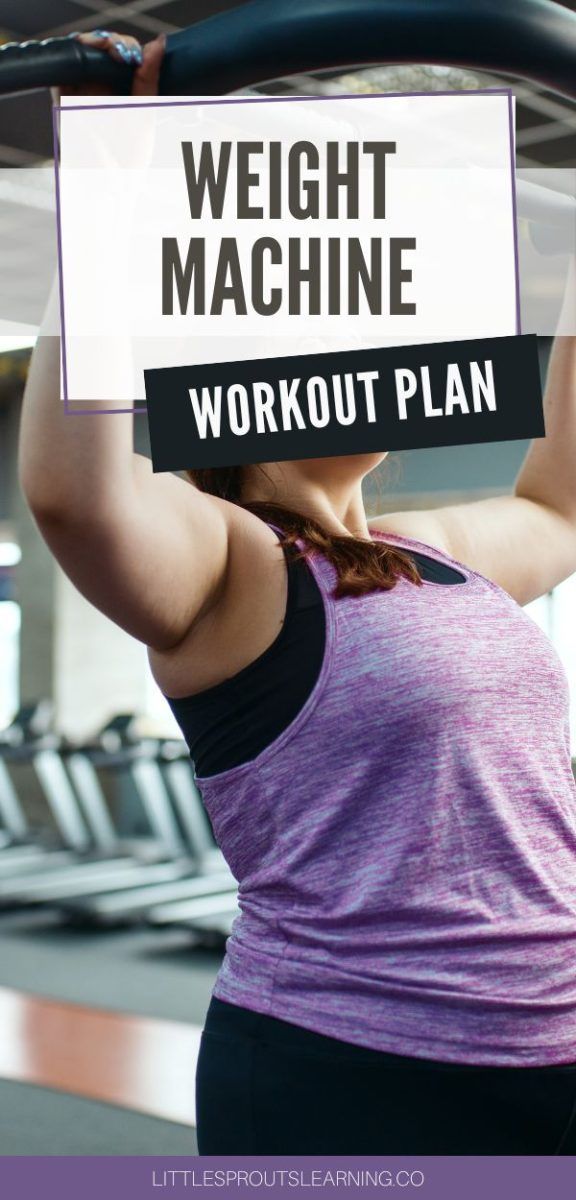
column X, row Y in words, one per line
column 406, row 849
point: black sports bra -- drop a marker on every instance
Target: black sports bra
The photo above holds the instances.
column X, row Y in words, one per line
column 232, row 722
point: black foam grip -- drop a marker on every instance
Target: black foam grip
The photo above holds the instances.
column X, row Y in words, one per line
column 59, row 61
column 266, row 39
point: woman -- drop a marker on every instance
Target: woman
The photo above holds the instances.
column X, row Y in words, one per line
column 381, row 738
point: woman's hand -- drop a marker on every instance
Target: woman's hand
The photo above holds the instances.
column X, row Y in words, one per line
column 146, row 59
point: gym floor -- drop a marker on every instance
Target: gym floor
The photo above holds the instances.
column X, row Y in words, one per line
column 99, row 1035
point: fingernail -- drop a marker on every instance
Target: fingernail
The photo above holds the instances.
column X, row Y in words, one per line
column 123, row 51
column 100, row 33
column 137, row 55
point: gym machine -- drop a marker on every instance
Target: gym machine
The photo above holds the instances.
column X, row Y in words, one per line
column 164, row 856
column 534, row 40
column 210, row 925
column 31, row 741
column 207, row 881
column 69, row 782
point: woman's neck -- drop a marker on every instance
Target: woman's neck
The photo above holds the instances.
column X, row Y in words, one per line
column 337, row 505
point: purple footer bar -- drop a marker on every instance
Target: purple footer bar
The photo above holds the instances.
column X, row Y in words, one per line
column 147, row 1178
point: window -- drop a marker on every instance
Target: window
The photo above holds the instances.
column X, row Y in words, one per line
column 9, row 660
column 555, row 614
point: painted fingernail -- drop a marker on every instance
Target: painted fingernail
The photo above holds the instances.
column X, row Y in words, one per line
column 137, row 55
column 100, row 33
column 123, row 51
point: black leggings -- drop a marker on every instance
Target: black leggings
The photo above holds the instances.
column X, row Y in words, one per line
column 268, row 1087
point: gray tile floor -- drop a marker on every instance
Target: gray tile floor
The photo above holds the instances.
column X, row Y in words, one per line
column 146, row 972
column 37, row 1121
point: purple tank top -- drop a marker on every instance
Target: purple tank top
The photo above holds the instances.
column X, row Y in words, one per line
column 406, row 848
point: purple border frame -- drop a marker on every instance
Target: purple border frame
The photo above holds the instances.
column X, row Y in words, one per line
column 142, row 408
column 443, row 1177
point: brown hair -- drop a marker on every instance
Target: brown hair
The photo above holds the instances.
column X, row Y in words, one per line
column 361, row 566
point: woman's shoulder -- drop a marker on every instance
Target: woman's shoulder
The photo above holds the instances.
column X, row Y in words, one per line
column 421, row 527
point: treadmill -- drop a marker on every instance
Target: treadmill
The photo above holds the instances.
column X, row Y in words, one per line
column 211, row 924
column 206, row 880
column 14, row 830
column 30, row 740
column 160, row 856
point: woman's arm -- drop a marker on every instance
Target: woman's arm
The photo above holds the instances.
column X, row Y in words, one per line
column 149, row 550
column 526, row 542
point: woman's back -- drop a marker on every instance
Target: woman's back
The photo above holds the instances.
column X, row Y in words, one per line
column 405, row 848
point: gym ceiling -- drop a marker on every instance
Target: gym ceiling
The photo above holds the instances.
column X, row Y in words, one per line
column 546, row 126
